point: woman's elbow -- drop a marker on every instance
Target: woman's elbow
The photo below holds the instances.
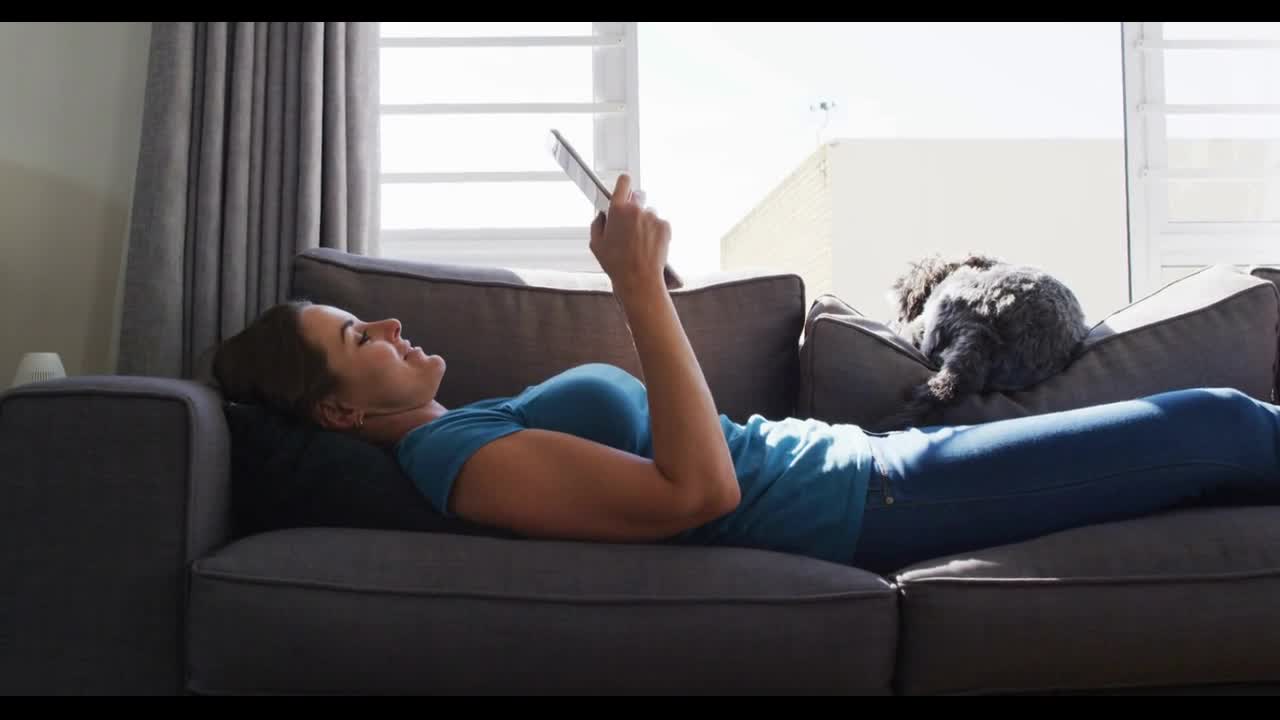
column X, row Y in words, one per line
column 709, row 502
column 727, row 499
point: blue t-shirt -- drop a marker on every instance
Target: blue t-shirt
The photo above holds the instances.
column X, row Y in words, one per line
column 803, row 482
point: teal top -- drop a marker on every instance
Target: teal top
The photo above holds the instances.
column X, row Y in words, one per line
column 803, row 482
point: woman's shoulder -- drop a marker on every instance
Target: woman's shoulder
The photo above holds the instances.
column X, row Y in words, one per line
column 574, row 378
column 591, row 368
column 586, row 376
column 583, row 374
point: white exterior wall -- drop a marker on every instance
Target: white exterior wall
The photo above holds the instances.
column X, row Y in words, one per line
column 1056, row 204
column 790, row 230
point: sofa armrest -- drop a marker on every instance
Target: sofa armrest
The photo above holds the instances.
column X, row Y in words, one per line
column 110, row 487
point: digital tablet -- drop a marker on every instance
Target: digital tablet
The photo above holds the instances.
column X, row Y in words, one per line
column 590, row 184
column 580, row 173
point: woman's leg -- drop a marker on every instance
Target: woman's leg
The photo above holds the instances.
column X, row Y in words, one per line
column 944, row 490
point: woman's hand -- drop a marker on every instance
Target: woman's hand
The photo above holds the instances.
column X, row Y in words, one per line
column 631, row 245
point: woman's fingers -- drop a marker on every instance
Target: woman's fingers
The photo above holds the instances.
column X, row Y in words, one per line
column 622, row 191
column 597, row 225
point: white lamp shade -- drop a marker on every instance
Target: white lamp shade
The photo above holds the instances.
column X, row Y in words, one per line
column 38, row 366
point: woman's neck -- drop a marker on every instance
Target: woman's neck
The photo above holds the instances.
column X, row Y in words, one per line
column 386, row 430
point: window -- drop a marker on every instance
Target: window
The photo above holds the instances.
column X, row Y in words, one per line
column 1117, row 156
column 466, row 114
column 1203, row 119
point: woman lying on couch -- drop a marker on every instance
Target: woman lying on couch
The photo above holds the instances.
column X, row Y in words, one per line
column 592, row 453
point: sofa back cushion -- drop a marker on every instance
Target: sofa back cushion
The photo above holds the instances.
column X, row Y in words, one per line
column 1214, row 328
column 501, row 330
column 1271, row 275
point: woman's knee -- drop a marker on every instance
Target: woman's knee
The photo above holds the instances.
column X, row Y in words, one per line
column 1231, row 396
column 1224, row 398
column 1214, row 409
column 1230, row 411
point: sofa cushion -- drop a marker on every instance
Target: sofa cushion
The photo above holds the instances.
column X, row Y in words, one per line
column 1186, row 597
column 337, row 611
column 501, row 330
column 1268, row 273
column 1271, row 275
column 1215, row 328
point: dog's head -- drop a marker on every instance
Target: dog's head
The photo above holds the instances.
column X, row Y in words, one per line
column 911, row 290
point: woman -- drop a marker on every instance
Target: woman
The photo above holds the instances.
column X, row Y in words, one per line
column 594, row 454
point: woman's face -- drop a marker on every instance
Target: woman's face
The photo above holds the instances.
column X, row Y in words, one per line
column 378, row 370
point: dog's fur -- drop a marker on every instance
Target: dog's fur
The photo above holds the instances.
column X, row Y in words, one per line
column 987, row 324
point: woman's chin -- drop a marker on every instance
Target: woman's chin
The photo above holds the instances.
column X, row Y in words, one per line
column 432, row 364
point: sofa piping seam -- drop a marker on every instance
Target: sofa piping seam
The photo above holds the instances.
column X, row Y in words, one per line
column 1091, row 580
column 889, row 593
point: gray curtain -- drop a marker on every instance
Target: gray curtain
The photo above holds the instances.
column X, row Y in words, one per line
column 259, row 140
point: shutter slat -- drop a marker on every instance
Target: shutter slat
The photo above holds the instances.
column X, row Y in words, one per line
column 505, row 41
column 494, row 108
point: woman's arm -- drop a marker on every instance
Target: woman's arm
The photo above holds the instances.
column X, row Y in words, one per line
column 689, row 446
column 551, row 484
column 548, row 484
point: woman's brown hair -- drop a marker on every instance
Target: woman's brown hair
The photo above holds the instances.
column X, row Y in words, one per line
column 270, row 363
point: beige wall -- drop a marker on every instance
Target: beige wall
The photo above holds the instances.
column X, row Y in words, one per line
column 1056, row 204
column 790, row 229
column 70, row 117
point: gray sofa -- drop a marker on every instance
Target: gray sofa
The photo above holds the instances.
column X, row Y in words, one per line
column 130, row 568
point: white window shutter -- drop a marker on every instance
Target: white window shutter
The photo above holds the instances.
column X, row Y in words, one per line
column 614, row 140
column 1223, row 211
column 616, row 73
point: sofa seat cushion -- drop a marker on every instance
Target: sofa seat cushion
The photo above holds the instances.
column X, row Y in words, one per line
column 1184, row 598
column 342, row 610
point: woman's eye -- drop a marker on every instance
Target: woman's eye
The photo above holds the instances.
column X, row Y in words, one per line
column 364, row 337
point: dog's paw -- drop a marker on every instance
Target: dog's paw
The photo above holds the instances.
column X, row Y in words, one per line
column 943, row 386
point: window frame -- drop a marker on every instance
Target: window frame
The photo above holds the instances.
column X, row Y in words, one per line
column 1155, row 242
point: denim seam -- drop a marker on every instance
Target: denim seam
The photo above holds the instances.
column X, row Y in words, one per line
column 881, row 472
column 903, row 502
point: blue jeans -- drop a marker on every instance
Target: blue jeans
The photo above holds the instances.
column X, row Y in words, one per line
column 943, row 490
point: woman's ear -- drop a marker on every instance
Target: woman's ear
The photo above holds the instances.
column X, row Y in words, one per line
column 334, row 415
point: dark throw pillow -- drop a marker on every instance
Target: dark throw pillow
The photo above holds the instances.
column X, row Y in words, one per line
column 286, row 474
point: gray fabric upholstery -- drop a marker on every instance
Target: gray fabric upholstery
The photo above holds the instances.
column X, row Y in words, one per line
column 365, row 611
column 1183, row 598
column 1189, row 334
column 1272, row 275
column 501, row 330
column 258, row 140
column 111, row 487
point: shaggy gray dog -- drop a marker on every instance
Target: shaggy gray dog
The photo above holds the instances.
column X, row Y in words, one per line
column 987, row 324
